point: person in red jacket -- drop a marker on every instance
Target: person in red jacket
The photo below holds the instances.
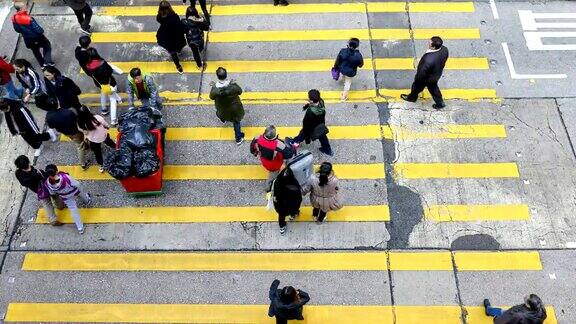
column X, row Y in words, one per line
column 272, row 153
column 33, row 35
column 12, row 92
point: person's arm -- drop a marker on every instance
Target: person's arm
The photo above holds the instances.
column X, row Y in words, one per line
column 17, row 27
column 236, row 90
column 153, row 91
column 274, row 289
column 6, row 67
column 287, row 150
column 422, row 70
column 361, row 60
column 36, row 27
column 130, row 94
column 304, row 297
column 74, row 86
column 34, row 82
column 214, row 92
column 102, row 121
column 338, row 60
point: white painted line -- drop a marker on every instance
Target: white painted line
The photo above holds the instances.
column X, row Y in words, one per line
column 571, row 245
column 515, row 75
column 4, row 12
column 494, row 9
column 528, row 20
column 534, row 41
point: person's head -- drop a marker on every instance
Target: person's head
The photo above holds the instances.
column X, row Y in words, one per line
column 51, row 72
column 533, row 302
column 353, row 43
column 221, row 73
column 52, row 173
column 20, row 65
column 86, row 119
column 84, row 41
column 136, row 74
column 324, row 173
column 314, row 96
column 270, row 132
column 22, row 162
column 19, row 5
column 435, row 42
column 288, row 295
column 192, row 12
column 93, row 54
column 165, row 9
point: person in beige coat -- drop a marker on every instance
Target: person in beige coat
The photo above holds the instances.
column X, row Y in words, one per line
column 323, row 188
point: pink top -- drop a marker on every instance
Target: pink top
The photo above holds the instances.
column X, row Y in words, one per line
column 99, row 134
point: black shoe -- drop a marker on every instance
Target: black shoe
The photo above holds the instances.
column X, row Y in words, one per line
column 327, row 152
column 405, row 97
column 276, row 3
column 486, row 305
column 284, row 3
column 180, row 70
column 435, row 106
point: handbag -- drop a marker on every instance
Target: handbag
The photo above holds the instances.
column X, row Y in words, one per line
column 43, row 192
column 319, row 130
column 104, row 88
column 335, row 73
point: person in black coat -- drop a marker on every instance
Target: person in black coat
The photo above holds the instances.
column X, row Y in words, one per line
column 21, row 122
column 81, row 53
column 531, row 312
column 170, row 35
column 348, row 61
column 287, row 197
column 61, row 88
column 195, row 27
column 286, row 303
column 429, row 72
column 314, row 123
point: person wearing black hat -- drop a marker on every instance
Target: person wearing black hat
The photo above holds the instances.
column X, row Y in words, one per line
column 428, row 73
column 531, row 312
column 286, row 303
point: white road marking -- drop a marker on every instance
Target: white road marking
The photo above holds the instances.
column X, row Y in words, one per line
column 515, row 75
column 534, row 41
column 571, row 245
column 4, row 12
column 494, row 9
column 528, row 20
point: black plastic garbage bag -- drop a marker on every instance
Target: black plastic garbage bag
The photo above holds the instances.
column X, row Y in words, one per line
column 134, row 118
column 118, row 163
column 138, row 138
column 146, row 162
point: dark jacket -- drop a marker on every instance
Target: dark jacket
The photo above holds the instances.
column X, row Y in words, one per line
column 521, row 314
column 83, row 57
column 348, row 61
column 19, row 119
column 287, row 193
column 31, row 81
column 31, row 179
column 431, row 66
column 195, row 31
column 76, row 4
column 285, row 311
column 27, row 26
column 65, row 90
column 101, row 72
column 227, row 101
column 5, row 70
column 315, row 115
column 170, row 35
column 64, row 120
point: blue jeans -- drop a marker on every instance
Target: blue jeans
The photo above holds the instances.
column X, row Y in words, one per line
column 494, row 311
column 12, row 92
column 237, row 131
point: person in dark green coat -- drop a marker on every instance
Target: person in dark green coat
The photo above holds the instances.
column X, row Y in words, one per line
column 226, row 95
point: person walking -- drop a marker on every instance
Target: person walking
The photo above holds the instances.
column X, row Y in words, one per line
column 531, row 312
column 101, row 72
column 281, row 2
column 141, row 85
column 347, row 62
column 33, row 35
column 34, row 179
column 67, row 188
column 202, row 6
column 12, row 92
column 170, row 35
column 226, row 95
column 83, row 13
column 30, row 80
column 21, row 122
column 428, row 73
column 195, row 27
column 286, row 303
column 314, row 123
column 323, row 188
column 95, row 130
column 82, row 55
column 61, row 88
column 287, row 197
column 271, row 152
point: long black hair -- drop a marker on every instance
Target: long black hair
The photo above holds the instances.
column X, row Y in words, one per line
column 325, row 171
column 314, row 96
column 53, row 70
column 87, row 120
column 22, row 63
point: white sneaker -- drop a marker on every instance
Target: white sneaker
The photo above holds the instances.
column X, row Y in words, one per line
column 81, row 231
column 53, row 135
column 283, row 230
column 38, row 151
